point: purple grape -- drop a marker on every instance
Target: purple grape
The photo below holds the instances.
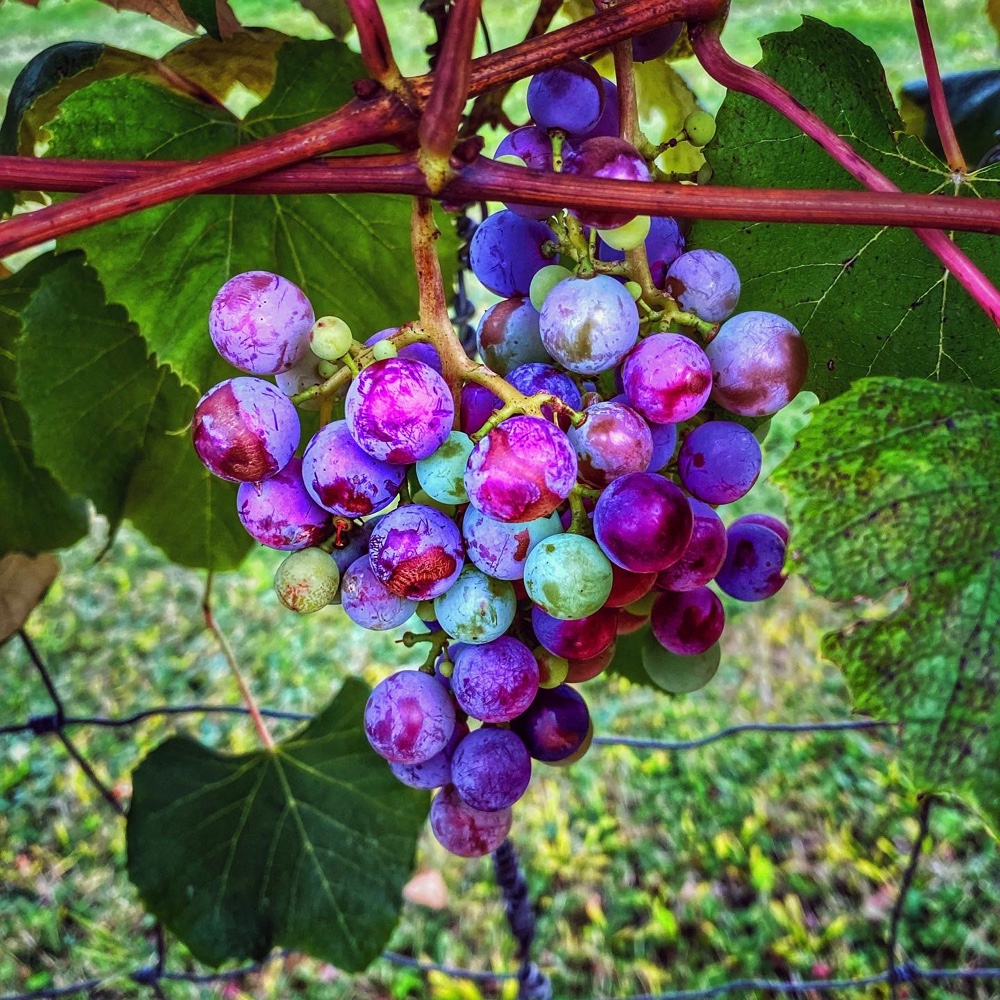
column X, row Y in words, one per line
column 628, row 587
column 609, row 122
column 667, row 378
column 353, row 549
column 399, row 411
column 411, row 352
column 476, row 406
column 506, row 251
column 500, row 548
column 245, row 430
column 495, row 681
column 755, row 556
column 643, row 522
column 417, row 552
column 462, row 830
column 537, row 377
column 435, row 772
column 704, row 555
column 576, row 638
column 611, row 158
column 612, row 441
column 704, row 282
column 759, row 363
column 534, row 147
column 664, row 245
column 778, row 527
column 521, row 471
column 589, row 325
column 664, row 442
column 569, row 97
column 409, row 717
column 280, row 513
column 343, row 479
column 491, row 769
column 508, row 335
column 260, row 322
column 656, row 42
column 556, row 725
column 687, row 623
column 719, row 462
column 367, row 601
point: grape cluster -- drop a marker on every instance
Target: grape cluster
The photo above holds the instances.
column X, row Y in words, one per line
column 527, row 532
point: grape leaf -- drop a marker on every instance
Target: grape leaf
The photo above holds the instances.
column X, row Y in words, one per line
column 306, row 846
column 109, row 423
column 868, row 301
column 349, row 253
column 893, row 485
column 38, row 513
column 184, row 15
column 627, row 662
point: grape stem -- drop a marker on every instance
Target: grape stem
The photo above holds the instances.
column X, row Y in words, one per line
column 227, row 651
column 376, row 50
column 725, row 70
column 939, row 103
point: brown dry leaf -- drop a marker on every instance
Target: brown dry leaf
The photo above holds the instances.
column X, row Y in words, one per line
column 171, row 13
column 23, row 582
column 993, row 13
column 427, row 888
column 333, row 13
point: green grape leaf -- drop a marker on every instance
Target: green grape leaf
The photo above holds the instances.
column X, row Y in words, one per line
column 868, row 301
column 111, row 425
column 38, row 514
column 627, row 662
column 306, row 846
column 350, row 254
column 892, row 487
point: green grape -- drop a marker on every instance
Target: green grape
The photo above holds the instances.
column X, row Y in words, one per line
column 307, row 580
column 568, row 576
column 442, row 474
column 514, row 161
column 643, row 606
column 326, row 368
column 330, row 338
column 629, row 236
column 423, row 497
column 544, row 281
column 552, row 669
column 700, row 127
column 476, row 608
column 384, row 350
column 679, row 674
column 634, row 289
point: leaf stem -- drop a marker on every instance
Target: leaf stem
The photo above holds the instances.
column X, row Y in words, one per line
column 725, row 70
column 234, row 667
column 939, row 103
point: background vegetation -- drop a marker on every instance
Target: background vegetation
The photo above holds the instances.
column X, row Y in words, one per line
column 761, row 855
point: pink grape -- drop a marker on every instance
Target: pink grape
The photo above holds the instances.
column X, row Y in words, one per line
column 411, row 352
column 611, row 158
column 704, row 282
column 667, row 378
column 612, row 441
column 687, row 623
column 280, row 513
column 495, row 681
column 435, row 772
column 409, row 717
column 627, row 588
column 345, row 480
column 500, row 548
column 399, row 411
column 245, row 430
column 417, row 552
column 778, row 527
column 368, row 602
column 521, row 470
column 260, row 322
column 643, row 522
column 704, row 555
column 576, row 638
column 462, row 830
column 491, row 769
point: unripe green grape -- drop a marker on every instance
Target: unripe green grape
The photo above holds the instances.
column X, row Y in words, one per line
column 307, row 580
column 643, row 606
column 679, row 674
column 544, row 281
column 384, row 350
column 442, row 474
column 568, row 576
column 326, row 368
column 634, row 289
column 423, row 497
column 476, row 608
column 633, row 234
column 425, row 611
column 330, row 338
column 514, row 161
column 700, row 127
column 552, row 669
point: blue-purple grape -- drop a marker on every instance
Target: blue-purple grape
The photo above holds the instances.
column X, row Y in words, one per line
column 279, row 513
column 500, row 548
column 534, row 147
column 532, row 378
column 463, row 830
column 719, row 462
column 491, row 769
column 476, row 406
column 495, row 681
column 755, row 557
column 556, row 725
column 260, row 322
column 656, row 42
column 664, row 245
column 411, row 352
column 704, row 282
column 568, row 97
column 368, row 602
column 245, row 430
column 777, row 526
column 506, row 251
column 589, row 325
column 435, row 772
column 409, row 717
column 609, row 123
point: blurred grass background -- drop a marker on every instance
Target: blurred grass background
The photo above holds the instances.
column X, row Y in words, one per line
column 763, row 855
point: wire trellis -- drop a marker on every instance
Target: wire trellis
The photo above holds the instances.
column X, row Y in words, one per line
column 533, row 983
